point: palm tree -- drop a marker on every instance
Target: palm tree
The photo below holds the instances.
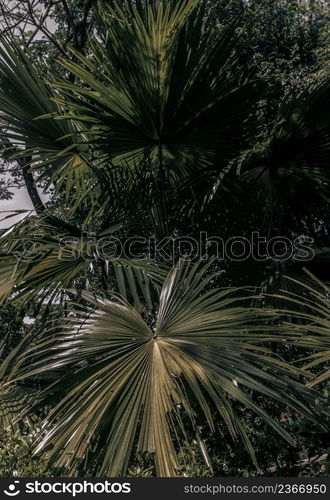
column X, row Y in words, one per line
column 148, row 133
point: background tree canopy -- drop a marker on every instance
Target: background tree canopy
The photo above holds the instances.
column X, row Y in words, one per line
column 153, row 121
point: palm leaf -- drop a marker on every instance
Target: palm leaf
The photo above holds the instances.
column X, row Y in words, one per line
column 127, row 373
column 294, row 161
column 43, row 256
column 161, row 86
column 310, row 318
column 49, row 146
column 14, row 398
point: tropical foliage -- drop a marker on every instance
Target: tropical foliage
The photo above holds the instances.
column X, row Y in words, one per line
column 155, row 129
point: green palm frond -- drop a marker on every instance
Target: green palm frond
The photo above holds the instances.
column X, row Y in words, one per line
column 129, row 373
column 310, row 318
column 43, row 256
column 294, row 161
column 15, row 399
column 161, row 86
column 50, row 146
column 270, row 275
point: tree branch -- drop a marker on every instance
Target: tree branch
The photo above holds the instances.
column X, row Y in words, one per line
column 27, row 176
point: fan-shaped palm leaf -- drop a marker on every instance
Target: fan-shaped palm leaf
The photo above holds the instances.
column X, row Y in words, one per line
column 129, row 373
column 163, row 86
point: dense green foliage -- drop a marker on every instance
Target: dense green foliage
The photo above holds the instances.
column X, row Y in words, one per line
column 171, row 119
column 16, row 448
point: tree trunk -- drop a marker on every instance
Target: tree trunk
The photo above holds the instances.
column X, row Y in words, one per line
column 39, row 207
column 23, row 163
